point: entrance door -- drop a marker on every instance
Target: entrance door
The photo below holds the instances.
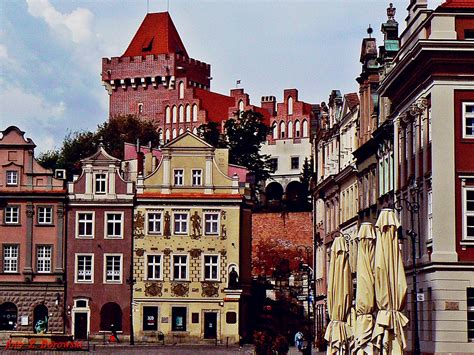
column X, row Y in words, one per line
column 80, row 326
column 210, row 325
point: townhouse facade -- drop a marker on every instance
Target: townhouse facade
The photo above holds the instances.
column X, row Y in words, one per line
column 99, row 249
column 32, row 237
column 192, row 246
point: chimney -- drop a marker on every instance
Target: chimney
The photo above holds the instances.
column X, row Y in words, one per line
column 414, row 9
column 269, row 103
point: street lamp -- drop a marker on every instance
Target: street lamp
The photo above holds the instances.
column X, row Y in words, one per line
column 413, row 207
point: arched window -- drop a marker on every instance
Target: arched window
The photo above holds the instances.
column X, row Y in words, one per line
column 188, row 129
column 297, row 129
column 282, row 129
column 181, row 113
column 181, row 131
column 305, row 128
column 160, row 136
column 290, row 129
column 140, row 108
column 195, row 113
column 275, row 130
column 173, row 135
column 175, row 114
column 188, row 113
column 40, row 318
column 111, row 313
column 167, row 114
column 195, row 130
column 241, row 106
column 181, row 90
column 290, row 105
column 274, row 191
column 8, row 316
column 167, row 135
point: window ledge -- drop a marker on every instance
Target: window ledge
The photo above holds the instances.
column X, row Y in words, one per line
column 11, row 224
column 467, row 242
column 44, row 225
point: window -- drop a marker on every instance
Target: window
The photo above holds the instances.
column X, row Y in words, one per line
column 150, row 318
column 295, row 162
column 241, row 106
column 273, row 163
column 211, row 223
column 211, row 267
column 297, row 129
column 153, row 263
column 282, row 129
column 12, row 177
column 470, row 314
column 114, row 225
column 290, row 105
column 167, row 136
column 174, row 116
column 196, row 177
column 178, row 315
column 429, row 124
column 85, row 224
column 167, row 114
column 181, row 90
column 275, row 130
column 113, row 268
column 469, row 34
column 305, row 128
column 10, row 258
column 140, row 108
column 290, row 129
column 43, row 258
column 188, row 113
column 180, row 267
column 178, row 177
column 195, row 113
column 430, row 216
column 468, row 213
column 173, row 133
column 12, row 215
column 84, row 268
column 100, row 183
column 154, row 222
column 180, row 223
column 468, row 120
column 181, row 113
column 231, row 317
column 45, row 215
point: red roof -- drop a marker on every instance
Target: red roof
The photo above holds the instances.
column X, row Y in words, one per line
column 216, row 105
column 352, row 100
column 458, row 4
column 156, row 35
column 192, row 196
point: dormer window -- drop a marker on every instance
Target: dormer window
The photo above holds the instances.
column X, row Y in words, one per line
column 12, row 178
column 178, row 177
column 100, row 183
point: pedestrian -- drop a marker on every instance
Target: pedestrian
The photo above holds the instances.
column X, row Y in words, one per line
column 299, row 340
column 114, row 333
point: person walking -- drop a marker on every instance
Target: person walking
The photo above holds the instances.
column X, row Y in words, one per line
column 299, row 340
column 114, row 333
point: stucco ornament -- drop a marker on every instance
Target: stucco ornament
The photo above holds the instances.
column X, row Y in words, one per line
column 196, row 224
column 139, row 225
column 167, row 251
column 140, row 251
column 167, row 226
column 223, row 226
column 210, row 289
column 195, row 253
column 153, row 289
column 180, row 289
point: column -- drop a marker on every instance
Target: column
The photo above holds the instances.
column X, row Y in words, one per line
column 59, row 262
column 30, row 213
column 166, row 175
column 208, row 176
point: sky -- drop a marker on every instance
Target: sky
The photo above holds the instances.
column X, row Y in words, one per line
column 51, row 50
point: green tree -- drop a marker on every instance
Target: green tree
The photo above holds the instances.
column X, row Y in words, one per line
column 211, row 134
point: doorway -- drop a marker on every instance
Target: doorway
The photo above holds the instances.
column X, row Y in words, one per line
column 210, row 325
column 40, row 319
column 80, row 326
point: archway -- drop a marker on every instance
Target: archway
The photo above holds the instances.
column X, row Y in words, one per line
column 40, row 318
column 8, row 316
column 110, row 313
column 274, row 191
column 294, row 191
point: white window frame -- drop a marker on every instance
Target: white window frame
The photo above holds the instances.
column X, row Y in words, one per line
column 104, row 180
column 180, row 232
column 216, row 222
column 174, row 278
column 43, row 214
column 155, row 232
column 106, row 224
column 160, row 264
column 12, row 261
column 195, row 176
column 178, row 174
column 429, row 205
column 466, row 115
column 12, row 177
column 78, row 222
column 211, row 265
column 42, row 259
column 10, row 212
column 76, row 266
column 291, row 163
column 466, row 213
column 120, row 280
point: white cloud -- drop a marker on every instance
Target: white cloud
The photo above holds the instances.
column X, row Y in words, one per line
column 77, row 23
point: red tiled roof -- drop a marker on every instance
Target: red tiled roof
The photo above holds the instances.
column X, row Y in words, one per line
column 156, row 35
column 458, row 4
column 216, row 105
column 34, row 192
column 352, row 100
column 190, row 196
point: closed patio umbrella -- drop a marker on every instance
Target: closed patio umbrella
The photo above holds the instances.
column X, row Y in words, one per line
column 338, row 333
column 390, row 286
column 365, row 294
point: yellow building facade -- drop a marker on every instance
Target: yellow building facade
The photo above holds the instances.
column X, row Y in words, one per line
column 191, row 246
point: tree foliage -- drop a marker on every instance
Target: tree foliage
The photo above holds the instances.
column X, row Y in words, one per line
column 82, row 144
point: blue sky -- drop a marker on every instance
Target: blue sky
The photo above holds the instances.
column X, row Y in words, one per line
column 51, row 50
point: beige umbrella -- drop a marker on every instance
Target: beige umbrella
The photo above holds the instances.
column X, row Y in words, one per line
column 365, row 294
column 338, row 333
column 390, row 286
